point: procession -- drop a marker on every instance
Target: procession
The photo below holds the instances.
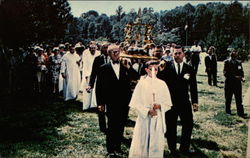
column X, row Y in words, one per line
column 134, row 97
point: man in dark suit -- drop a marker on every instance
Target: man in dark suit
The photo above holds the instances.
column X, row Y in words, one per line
column 233, row 71
column 113, row 92
column 180, row 78
column 98, row 62
column 211, row 66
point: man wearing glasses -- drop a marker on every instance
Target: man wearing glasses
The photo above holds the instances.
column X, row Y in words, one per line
column 113, row 92
column 180, row 78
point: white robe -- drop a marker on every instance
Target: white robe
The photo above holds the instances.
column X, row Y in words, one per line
column 89, row 99
column 72, row 81
column 148, row 137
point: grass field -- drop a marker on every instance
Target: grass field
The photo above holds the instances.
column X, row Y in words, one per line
column 61, row 129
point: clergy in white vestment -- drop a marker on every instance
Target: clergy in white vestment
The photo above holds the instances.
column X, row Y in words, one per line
column 88, row 57
column 151, row 99
column 71, row 74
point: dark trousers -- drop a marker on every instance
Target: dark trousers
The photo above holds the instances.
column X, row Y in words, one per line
column 195, row 67
column 116, row 124
column 212, row 76
column 234, row 87
column 195, row 61
column 186, row 118
column 102, row 121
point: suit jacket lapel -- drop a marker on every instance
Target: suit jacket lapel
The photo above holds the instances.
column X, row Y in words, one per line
column 112, row 72
column 183, row 71
column 173, row 68
column 122, row 72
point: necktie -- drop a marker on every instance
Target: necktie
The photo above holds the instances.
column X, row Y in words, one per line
column 115, row 62
column 179, row 68
column 105, row 59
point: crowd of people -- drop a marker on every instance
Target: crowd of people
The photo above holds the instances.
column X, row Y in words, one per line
column 161, row 90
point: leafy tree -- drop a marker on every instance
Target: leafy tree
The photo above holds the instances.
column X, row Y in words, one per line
column 201, row 22
column 27, row 22
column 168, row 37
column 119, row 13
column 92, row 30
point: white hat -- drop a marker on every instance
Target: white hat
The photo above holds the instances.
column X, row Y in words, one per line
column 55, row 49
column 61, row 46
column 78, row 45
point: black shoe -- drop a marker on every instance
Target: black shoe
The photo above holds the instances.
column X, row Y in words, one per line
column 174, row 153
column 243, row 115
column 229, row 113
column 111, row 155
column 103, row 131
column 187, row 152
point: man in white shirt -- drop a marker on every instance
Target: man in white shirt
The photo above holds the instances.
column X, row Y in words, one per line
column 195, row 58
column 113, row 92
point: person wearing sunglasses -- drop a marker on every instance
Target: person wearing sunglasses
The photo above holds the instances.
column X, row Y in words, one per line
column 181, row 79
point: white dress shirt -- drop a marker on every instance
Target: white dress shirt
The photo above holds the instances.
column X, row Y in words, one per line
column 116, row 68
column 176, row 66
column 195, row 48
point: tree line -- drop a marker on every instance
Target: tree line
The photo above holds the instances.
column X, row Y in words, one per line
column 25, row 22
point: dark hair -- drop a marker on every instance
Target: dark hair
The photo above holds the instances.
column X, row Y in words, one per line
column 151, row 62
column 179, row 47
column 152, row 45
column 158, row 47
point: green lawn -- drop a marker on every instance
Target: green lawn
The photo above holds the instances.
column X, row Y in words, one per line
column 61, row 129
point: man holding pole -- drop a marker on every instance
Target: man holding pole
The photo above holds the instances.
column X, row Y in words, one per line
column 113, row 93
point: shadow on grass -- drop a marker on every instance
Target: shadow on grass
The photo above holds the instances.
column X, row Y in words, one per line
column 205, row 93
column 199, row 82
column 130, row 123
column 90, row 110
column 199, row 143
column 202, row 75
column 226, row 120
column 196, row 154
column 31, row 126
column 195, row 125
column 127, row 141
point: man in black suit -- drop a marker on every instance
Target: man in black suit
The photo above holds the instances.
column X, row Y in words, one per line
column 113, row 92
column 180, row 78
column 233, row 71
column 98, row 62
column 211, row 66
